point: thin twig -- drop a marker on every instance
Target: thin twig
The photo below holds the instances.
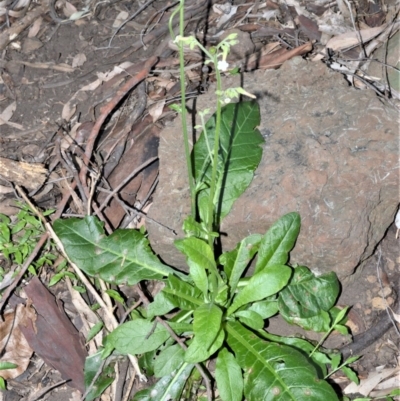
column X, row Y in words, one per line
column 129, row 388
column 355, row 27
column 106, row 110
column 131, row 17
column 126, row 180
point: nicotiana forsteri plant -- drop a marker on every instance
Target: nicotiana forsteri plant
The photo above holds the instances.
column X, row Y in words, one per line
column 219, row 309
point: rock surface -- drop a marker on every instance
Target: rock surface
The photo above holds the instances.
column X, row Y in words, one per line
column 330, row 153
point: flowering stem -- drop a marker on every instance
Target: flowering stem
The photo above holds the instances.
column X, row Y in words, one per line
column 213, row 183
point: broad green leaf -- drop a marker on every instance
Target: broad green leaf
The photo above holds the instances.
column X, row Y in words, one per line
column 307, row 295
column 275, row 371
column 228, row 376
column 207, row 323
column 124, row 257
column 197, row 353
column 199, row 277
column 278, row 242
column 236, row 261
column 197, row 251
column 217, row 344
column 106, row 377
column 137, row 337
column 320, row 359
column 251, row 319
column 183, row 295
column 266, row 308
column 167, row 388
column 160, row 306
column 262, row 285
column 319, row 323
column 222, row 296
column 169, row 360
column 181, row 327
column 200, row 258
column 239, row 153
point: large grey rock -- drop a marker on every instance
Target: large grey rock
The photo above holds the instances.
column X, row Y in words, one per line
column 330, row 153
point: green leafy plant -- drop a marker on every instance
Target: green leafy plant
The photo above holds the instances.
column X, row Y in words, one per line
column 220, row 308
column 18, row 238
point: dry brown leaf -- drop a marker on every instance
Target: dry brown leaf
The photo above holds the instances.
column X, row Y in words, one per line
column 53, row 337
column 226, row 12
column 156, row 109
column 15, row 348
column 374, row 378
column 350, row 39
column 162, row 82
column 18, row 8
column 29, row 45
column 396, row 317
column 69, row 9
column 75, row 396
column 89, row 318
column 277, row 58
column 120, row 19
column 69, row 108
column 144, row 139
column 78, row 60
column 34, row 29
column 7, row 113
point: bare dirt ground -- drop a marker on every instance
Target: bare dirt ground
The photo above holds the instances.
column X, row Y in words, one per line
column 58, row 76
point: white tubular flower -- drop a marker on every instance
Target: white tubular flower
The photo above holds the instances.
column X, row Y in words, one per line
column 222, row 65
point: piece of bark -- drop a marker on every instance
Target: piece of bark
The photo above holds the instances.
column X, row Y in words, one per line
column 53, row 337
column 27, row 175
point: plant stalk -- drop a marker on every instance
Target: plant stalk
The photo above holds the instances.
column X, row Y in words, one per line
column 213, row 183
column 183, row 112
